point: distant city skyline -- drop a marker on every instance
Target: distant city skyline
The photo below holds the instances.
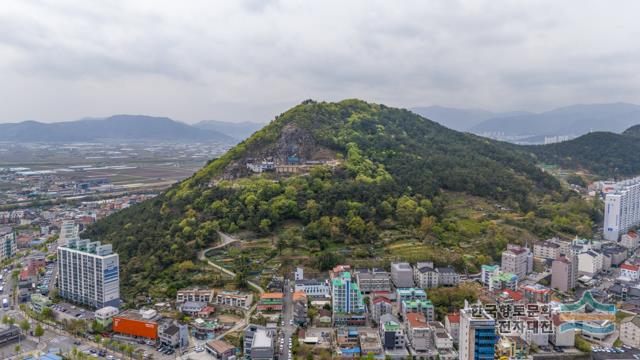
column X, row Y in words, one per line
column 250, row 60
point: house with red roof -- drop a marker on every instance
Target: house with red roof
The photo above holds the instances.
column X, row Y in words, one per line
column 380, row 306
column 452, row 325
column 629, row 271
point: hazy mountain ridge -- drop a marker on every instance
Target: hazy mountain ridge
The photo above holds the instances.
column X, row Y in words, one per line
column 573, row 120
column 240, row 130
column 117, row 127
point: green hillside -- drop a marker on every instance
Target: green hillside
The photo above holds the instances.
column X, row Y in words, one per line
column 601, row 153
column 382, row 179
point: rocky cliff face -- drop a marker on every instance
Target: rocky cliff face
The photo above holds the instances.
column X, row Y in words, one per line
column 293, row 146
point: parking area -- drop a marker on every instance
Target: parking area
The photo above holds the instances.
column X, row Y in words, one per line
column 624, row 352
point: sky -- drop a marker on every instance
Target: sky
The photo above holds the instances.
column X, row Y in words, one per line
column 249, row 60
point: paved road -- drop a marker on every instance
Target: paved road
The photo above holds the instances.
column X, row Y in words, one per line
column 287, row 315
column 226, row 240
column 202, row 256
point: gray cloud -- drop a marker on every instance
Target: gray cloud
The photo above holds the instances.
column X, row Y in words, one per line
column 248, row 60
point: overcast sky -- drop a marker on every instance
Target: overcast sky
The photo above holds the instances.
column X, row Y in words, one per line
column 249, row 60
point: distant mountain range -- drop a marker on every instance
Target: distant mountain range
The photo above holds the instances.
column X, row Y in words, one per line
column 117, row 127
column 461, row 119
column 240, row 131
column 572, row 120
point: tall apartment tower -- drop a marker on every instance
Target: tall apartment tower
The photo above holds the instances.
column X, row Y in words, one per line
column 89, row 273
column 346, row 296
column 68, row 231
column 564, row 272
column 517, row 260
column 622, row 208
column 477, row 334
column 8, row 246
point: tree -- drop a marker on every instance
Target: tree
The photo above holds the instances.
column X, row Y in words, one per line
column 406, row 210
column 47, row 313
column 98, row 339
column 97, row 327
column 24, row 325
column 38, row 332
column 242, row 271
column 17, row 348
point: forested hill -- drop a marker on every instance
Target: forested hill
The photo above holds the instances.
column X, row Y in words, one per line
column 603, row 153
column 633, row 131
column 382, row 169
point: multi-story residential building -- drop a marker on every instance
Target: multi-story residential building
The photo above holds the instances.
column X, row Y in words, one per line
column 488, row 272
column 630, row 331
column 8, row 245
column 452, row 325
column 391, row 332
column 259, row 342
column 442, row 339
column 630, row 271
column 234, row 299
column 425, row 275
column 564, row 272
column 517, row 260
column 410, row 294
column 89, row 273
column 537, row 293
column 370, row 280
column 630, row 240
column 622, row 208
column 271, row 302
column 551, row 248
column 417, row 306
column 477, row 334
column 315, row 289
column 346, row 298
column 419, row 333
column 69, row 230
column 402, row 275
column 196, row 295
column 590, row 262
column 613, row 255
column 172, row 333
column 503, row 281
column 300, row 308
column 447, row 276
column 380, row 306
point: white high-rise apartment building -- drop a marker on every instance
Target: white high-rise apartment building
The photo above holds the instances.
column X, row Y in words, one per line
column 622, row 208
column 8, row 247
column 89, row 273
